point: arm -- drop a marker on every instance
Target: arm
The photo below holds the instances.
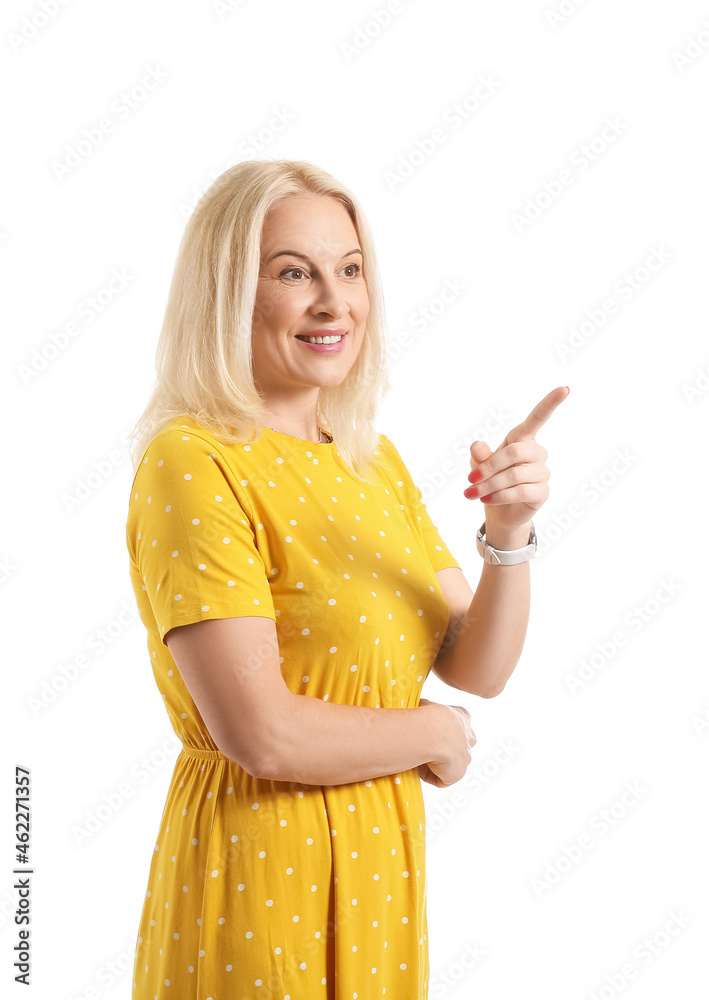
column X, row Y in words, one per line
column 487, row 638
column 231, row 668
column 486, row 634
column 324, row 743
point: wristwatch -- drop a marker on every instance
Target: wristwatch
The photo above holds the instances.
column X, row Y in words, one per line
column 506, row 557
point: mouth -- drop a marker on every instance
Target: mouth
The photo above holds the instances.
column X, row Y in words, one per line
column 323, row 341
column 324, row 337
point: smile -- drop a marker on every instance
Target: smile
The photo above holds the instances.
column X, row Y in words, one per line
column 321, row 340
column 329, row 343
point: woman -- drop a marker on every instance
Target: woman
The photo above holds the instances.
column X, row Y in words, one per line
column 296, row 594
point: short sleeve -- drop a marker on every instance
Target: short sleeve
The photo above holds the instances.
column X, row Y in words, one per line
column 190, row 537
column 438, row 552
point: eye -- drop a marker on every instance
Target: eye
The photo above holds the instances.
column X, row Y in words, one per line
column 357, row 269
column 288, row 270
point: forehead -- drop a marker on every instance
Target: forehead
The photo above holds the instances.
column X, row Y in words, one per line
column 308, row 222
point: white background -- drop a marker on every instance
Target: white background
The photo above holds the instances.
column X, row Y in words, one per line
column 627, row 555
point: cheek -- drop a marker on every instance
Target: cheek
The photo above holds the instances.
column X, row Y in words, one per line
column 364, row 302
column 275, row 311
column 264, row 310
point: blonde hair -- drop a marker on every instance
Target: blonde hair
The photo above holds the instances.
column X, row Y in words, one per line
column 203, row 360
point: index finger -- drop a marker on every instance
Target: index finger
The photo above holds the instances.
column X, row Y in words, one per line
column 541, row 413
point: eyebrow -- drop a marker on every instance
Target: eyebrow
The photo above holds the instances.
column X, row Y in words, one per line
column 294, row 253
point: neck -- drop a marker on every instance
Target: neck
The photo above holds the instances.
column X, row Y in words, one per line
column 301, row 422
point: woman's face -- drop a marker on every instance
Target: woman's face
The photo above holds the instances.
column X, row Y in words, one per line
column 310, row 282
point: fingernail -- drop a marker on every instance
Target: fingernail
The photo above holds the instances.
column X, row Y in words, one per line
column 475, row 476
column 487, row 498
column 471, row 491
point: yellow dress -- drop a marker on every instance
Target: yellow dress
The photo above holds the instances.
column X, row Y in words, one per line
column 274, row 890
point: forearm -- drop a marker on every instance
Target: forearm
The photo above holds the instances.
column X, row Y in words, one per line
column 488, row 640
column 325, row 743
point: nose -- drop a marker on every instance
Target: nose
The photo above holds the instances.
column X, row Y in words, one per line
column 329, row 297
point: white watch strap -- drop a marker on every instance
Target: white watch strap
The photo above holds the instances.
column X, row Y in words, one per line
column 506, row 557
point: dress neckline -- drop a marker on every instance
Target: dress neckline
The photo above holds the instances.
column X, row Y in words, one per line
column 300, row 446
column 322, row 451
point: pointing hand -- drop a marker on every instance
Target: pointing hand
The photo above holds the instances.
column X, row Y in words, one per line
column 512, row 480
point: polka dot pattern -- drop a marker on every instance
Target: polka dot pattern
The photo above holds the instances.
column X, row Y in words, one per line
column 252, row 881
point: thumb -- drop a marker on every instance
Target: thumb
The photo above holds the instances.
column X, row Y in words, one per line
column 479, row 452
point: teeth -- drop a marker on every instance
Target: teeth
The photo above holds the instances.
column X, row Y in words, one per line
column 323, row 340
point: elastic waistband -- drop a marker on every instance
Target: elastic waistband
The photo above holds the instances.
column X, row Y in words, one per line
column 203, row 754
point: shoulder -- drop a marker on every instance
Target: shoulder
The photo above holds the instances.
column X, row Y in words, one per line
column 180, row 451
column 389, row 456
column 181, row 439
column 185, row 434
column 386, row 450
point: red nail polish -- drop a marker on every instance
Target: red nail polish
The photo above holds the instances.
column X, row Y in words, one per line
column 487, row 499
column 475, row 476
column 471, row 491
